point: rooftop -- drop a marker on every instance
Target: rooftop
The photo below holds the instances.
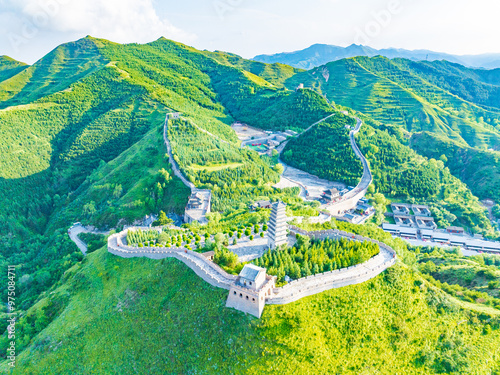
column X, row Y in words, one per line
column 250, row 272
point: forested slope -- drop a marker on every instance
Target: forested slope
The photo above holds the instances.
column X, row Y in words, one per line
column 89, row 101
column 325, row 151
column 479, row 169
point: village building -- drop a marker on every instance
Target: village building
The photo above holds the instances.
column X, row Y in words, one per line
column 249, row 292
column 455, row 230
column 277, row 225
column 332, row 195
column 198, row 206
column 261, row 204
column 420, row 210
column 425, row 222
column 364, row 209
column 400, row 209
column 404, row 220
column 174, row 115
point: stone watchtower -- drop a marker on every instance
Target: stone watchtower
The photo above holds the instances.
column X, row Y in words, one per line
column 249, row 292
column 277, row 225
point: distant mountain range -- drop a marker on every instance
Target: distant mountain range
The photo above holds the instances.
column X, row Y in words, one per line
column 320, row 54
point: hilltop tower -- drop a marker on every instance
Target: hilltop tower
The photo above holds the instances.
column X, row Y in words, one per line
column 277, row 225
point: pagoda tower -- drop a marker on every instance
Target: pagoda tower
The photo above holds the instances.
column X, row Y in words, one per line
column 277, row 225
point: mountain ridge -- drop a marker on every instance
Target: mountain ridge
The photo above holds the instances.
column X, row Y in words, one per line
column 320, row 54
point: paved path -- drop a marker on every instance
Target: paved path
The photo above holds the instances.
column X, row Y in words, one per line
column 74, row 231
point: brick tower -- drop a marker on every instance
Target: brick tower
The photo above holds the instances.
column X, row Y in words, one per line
column 277, row 225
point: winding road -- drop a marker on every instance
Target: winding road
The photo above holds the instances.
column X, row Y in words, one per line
column 75, row 230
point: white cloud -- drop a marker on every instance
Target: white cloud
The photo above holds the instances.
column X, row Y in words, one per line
column 122, row 21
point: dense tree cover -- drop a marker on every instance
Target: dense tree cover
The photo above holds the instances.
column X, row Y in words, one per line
column 479, row 169
column 398, row 171
column 313, row 257
column 235, row 176
column 93, row 241
column 474, row 280
column 325, row 151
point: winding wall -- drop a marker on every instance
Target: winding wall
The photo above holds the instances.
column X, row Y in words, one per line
column 357, row 274
column 293, row 291
column 173, row 163
column 351, row 199
column 206, row 269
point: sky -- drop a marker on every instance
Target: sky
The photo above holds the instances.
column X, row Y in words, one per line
column 29, row 29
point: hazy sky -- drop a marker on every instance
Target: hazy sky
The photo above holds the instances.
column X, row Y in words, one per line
column 31, row 28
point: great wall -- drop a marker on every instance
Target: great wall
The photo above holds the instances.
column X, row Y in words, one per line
column 295, row 289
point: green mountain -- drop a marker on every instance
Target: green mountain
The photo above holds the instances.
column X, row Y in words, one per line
column 477, row 168
column 405, row 93
column 10, row 67
column 69, row 126
column 82, row 140
column 321, row 54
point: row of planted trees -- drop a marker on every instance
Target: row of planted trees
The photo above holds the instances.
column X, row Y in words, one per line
column 185, row 238
column 310, row 258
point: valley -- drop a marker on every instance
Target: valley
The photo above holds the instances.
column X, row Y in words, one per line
column 94, row 148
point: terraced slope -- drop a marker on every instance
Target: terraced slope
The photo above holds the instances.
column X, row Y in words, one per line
column 411, row 95
column 55, row 72
column 10, row 67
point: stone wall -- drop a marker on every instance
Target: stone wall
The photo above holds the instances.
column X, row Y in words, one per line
column 293, row 291
column 203, row 267
column 171, row 159
column 353, row 197
column 359, row 273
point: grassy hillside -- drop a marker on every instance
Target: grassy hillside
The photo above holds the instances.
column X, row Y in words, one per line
column 10, row 67
column 408, row 94
column 54, row 72
column 479, row 169
column 397, row 322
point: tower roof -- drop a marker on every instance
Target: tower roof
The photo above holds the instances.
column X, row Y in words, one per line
column 279, row 204
column 251, row 271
